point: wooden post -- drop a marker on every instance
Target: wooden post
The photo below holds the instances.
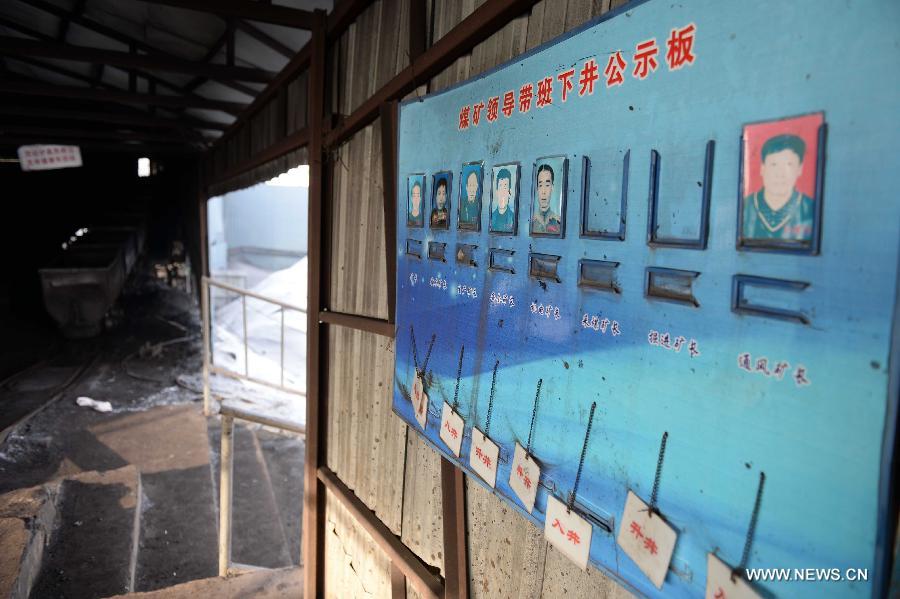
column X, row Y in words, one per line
column 316, row 346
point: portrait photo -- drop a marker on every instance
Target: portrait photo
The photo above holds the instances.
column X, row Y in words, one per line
column 548, row 204
column 440, row 200
column 781, row 173
column 504, row 198
column 470, row 190
column 415, row 209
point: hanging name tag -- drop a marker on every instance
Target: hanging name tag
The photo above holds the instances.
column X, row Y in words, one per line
column 646, row 539
column 420, row 401
column 524, row 476
column 452, row 427
column 568, row 532
column 719, row 584
column 483, row 457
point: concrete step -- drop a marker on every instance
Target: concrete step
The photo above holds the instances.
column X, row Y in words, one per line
column 27, row 518
column 258, row 536
column 284, row 583
column 284, row 456
column 92, row 549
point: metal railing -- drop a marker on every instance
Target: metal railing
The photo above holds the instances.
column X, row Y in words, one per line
column 229, row 414
column 209, row 365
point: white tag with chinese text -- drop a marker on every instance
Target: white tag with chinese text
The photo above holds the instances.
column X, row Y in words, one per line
column 451, row 429
column 420, row 401
column 647, row 539
column 524, row 476
column 719, row 584
column 483, row 457
column 568, row 532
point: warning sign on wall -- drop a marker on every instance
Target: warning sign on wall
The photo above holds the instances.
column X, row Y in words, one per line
column 45, row 158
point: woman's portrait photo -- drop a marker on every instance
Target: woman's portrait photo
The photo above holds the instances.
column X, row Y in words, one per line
column 780, row 173
column 548, row 205
column 470, row 190
column 415, row 187
column 440, row 200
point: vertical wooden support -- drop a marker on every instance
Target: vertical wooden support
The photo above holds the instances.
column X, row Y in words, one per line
column 389, row 180
column 453, row 500
column 316, row 348
column 398, row 582
column 418, row 29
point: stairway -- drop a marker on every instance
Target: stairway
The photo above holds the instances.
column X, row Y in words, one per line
column 149, row 527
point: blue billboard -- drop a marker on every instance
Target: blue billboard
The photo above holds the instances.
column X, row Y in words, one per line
column 646, row 290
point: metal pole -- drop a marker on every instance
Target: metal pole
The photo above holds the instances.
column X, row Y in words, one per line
column 246, row 352
column 225, row 494
column 204, row 309
column 282, row 346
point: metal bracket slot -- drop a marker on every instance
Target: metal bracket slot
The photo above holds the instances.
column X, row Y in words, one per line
column 671, row 285
column 740, row 304
column 465, row 254
column 698, row 243
column 414, row 248
column 598, row 274
column 436, row 251
column 544, row 267
column 586, row 231
column 501, row 260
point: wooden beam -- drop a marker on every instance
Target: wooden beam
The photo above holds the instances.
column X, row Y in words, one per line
column 486, row 20
column 278, row 149
column 389, row 184
column 117, row 35
column 132, row 73
column 453, row 506
column 185, row 124
column 64, row 22
column 81, row 93
column 419, row 575
column 316, row 344
column 107, row 134
column 417, row 29
column 15, row 46
column 244, row 9
column 343, row 15
column 264, row 38
column 360, row 323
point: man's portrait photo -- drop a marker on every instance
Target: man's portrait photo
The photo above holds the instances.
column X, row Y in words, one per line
column 548, row 204
column 440, row 201
column 780, row 206
column 415, row 210
column 470, row 196
column 504, row 198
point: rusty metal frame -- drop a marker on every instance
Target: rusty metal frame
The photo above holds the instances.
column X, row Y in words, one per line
column 319, row 479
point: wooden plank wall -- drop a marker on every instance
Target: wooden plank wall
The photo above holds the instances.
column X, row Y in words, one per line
column 283, row 114
column 390, row 469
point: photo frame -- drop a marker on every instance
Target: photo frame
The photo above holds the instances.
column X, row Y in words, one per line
column 471, row 192
column 782, row 166
column 504, row 207
column 415, row 206
column 549, row 182
column 441, row 186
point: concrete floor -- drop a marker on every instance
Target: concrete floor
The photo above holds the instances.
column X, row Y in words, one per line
column 146, row 367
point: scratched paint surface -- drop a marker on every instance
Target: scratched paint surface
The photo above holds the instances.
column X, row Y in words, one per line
column 820, row 444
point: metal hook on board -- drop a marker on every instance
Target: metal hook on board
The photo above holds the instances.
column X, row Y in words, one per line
column 455, row 405
column 751, row 529
column 587, row 436
column 537, row 395
column 659, row 464
column 490, row 410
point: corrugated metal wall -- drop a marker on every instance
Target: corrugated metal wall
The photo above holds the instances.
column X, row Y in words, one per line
column 389, row 469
